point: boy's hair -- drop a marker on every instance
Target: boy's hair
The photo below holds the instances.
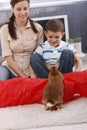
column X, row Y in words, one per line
column 54, row 25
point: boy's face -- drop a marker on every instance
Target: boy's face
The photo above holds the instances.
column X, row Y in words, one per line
column 54, row 38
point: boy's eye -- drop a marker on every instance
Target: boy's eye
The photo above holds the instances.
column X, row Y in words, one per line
column 57, row 37
column 50, row 36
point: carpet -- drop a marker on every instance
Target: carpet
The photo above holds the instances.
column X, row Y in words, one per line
column 25, row 117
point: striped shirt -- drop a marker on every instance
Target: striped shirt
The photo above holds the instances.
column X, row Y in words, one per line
column 52, row 54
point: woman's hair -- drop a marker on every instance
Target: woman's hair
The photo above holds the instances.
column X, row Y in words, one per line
column 11, row 27
column 13, row 2
column 54, row 25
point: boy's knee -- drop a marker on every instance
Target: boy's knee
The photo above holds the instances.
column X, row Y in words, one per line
column 33, row 58
column 66, row 51
column 67, row 54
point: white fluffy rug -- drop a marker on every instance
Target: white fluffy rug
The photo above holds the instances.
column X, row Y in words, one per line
column 34, row 116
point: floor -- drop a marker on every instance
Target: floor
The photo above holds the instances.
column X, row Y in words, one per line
column 69, row 127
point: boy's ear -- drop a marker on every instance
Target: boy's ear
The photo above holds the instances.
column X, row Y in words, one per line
column 63, row 33
column 45, row 33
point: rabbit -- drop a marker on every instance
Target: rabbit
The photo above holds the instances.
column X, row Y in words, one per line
column 53, row 91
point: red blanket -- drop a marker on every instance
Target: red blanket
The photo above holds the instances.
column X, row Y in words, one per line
column 19, row 91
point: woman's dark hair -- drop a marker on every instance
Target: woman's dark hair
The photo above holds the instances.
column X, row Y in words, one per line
column 11, row 27
column 54, row 25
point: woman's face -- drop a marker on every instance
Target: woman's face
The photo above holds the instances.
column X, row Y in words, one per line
column 21, row 11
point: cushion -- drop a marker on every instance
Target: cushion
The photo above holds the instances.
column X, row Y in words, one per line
column 20, row 91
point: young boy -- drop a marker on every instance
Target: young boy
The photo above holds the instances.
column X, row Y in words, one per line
column 54, row 52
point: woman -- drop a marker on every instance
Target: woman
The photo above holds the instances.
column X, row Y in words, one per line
column 19, row 38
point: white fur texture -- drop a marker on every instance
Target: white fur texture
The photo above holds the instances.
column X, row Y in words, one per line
column 50, row 104
column 34, row 116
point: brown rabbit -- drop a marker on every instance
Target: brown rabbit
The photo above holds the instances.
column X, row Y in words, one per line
column 53, row 91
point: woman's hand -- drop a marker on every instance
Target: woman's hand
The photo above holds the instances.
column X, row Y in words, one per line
column 14, row 66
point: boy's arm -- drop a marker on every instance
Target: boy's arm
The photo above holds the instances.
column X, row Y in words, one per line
column 78, row 62
column 48, row 65
column 57, row 63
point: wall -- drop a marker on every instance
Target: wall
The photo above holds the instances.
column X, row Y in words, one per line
column 77, row 17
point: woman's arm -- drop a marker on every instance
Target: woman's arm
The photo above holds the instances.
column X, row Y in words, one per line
column 14, row 66
column 78, row 62
column 7, row 52
column 32, row 74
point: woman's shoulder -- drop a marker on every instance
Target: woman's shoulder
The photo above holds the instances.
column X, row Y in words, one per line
column 4, row 30
column 38, row 26
column 4, row 27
